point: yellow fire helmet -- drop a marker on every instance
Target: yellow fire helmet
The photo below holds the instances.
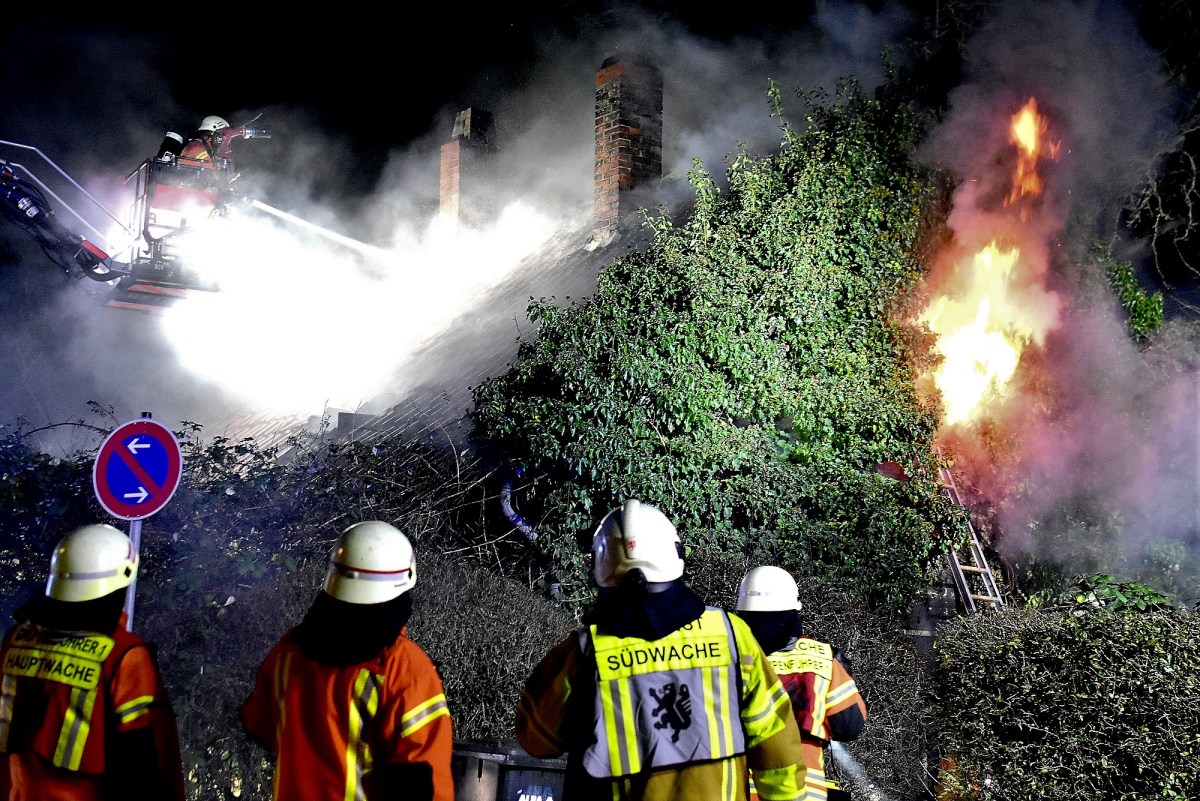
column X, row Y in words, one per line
column 91, row 562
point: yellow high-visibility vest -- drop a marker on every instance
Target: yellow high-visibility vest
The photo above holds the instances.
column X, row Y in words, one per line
column 666, row 702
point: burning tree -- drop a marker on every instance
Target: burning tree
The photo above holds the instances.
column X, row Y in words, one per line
column 1043, row 395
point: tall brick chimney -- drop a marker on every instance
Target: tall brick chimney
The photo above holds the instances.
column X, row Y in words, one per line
column 464, row 195
column 629, row 107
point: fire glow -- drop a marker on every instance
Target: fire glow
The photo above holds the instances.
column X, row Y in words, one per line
column 995, row 305
column 1028, row 134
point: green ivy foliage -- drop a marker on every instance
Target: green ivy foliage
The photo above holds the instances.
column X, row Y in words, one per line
column 1097, row 700
column 1102, row 590
column 1145, row 310
column 747, row 371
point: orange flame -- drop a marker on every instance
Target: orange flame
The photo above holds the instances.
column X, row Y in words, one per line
column 1027, row 133
column 999, row 305
column 981, row 334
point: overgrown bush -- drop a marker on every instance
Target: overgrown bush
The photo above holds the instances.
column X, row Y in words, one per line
column 1069, row 704
column 41, row 497
column 747, row 371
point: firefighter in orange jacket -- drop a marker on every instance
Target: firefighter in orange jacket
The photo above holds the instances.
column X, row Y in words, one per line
column 202, row 149
column 817, row 676
column 658, row 697
column 84, row 714
column 348, row 704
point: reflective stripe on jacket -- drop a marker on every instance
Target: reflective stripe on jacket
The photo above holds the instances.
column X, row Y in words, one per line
column 561, row 701
column 823, row 695
column 334, row 729
column 66, row 672
column 65, row 698
column 666, row 702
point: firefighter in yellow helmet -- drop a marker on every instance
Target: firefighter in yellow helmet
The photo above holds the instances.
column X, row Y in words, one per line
column 658, row 697
column 348, row 704
column 204, row 148
column 818, row 678
column 84, row 713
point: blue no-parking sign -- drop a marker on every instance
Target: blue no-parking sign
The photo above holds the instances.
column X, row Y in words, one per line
column 137, row 469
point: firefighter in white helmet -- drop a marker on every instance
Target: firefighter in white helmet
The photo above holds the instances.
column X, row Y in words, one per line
column 634, row 698
column 85, row 714
column 817, row 676
column 347, row 703
column 204, row 146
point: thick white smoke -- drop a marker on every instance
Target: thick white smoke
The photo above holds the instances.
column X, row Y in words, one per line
column 304, row 324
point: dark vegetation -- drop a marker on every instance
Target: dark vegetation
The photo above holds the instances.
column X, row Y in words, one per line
column 749, row 372
column 239, row 552
column 1082, row 701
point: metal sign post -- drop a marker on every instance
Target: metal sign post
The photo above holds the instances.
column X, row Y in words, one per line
column 135, row 537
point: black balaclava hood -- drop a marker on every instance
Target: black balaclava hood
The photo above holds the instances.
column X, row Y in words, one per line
column 338, row 633
column 634, row 610
column 774, row 630
column 101, row 615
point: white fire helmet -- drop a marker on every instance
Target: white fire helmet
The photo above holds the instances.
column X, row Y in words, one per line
column 370, row 563
column 636, row 536
column 91, row 562
column 768, row 589
column 212, row 123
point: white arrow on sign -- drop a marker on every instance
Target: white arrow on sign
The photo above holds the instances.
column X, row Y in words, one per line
column 141, row 494
column 135, row 446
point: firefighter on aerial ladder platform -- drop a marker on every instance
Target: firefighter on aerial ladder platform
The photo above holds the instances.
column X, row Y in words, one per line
column 211, row 144
column 204, row 145
column 84, row 713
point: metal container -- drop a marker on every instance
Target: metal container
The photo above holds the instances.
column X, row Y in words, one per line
column 503, row 771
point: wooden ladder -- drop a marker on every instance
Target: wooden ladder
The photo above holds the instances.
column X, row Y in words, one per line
column 973, row 578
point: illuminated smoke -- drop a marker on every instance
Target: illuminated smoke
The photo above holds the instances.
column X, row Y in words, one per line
column 1082, row 449
column 315, row 324
column 306, row 322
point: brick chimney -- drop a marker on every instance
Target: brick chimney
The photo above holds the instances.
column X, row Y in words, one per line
column 464, row 195
column 629, row 103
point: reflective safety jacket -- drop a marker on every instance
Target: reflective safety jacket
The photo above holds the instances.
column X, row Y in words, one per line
column 85, row 717
column 681, row 717
column 826, row 701
column 337, row 731
column 198, row 152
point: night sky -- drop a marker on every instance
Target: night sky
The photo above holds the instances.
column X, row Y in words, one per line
column 378, row 80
